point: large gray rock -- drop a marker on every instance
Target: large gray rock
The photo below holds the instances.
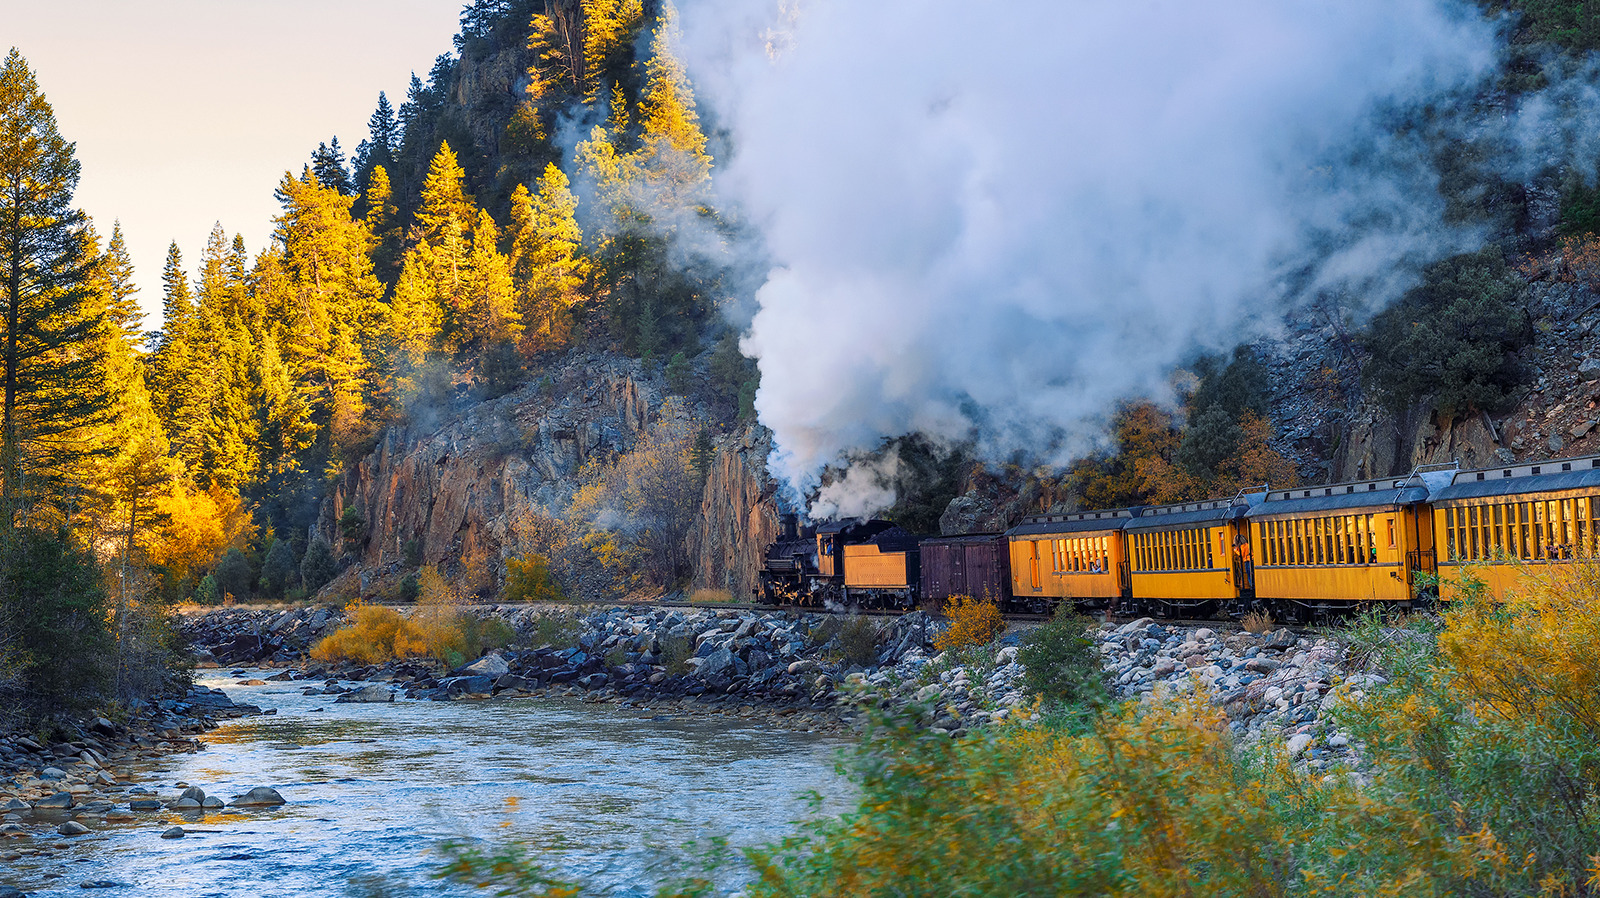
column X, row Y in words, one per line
column 717, row 663
column 56, row 802
column 194, row 792
column 491, row 666
column 259, row 797
column 72, row 828
column 366, row 695
column 1589, row 369
column 174, row 832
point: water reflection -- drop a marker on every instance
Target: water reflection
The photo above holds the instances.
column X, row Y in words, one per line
column 373, row 788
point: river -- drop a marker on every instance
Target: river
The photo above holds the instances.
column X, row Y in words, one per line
column 373, row 789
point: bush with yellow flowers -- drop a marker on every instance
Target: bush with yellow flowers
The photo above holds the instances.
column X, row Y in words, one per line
column 972, row 622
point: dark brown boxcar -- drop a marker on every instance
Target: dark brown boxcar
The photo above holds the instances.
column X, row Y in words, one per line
column 978, row 565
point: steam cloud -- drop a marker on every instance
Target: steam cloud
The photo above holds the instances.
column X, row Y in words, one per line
column 994, row 221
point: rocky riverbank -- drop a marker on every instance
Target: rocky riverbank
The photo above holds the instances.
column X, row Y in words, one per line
column 815, row 671
column 51, row 791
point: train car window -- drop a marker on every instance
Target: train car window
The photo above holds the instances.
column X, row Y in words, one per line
column 1320, row 525
column 1536, row 546
column 1581, row 525
column 1498, row 549
column 1472, row 532
column 1389, row 522
column 1484, row 550
column 1567, row 519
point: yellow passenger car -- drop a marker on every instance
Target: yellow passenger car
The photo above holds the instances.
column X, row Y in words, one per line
column 1497, row 523
column 1328, row 548
column 1187, row 559
column 1075, row 558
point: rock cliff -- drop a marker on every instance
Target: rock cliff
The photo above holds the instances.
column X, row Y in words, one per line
column 738, row 515
column 447, row 488
column 453, row 486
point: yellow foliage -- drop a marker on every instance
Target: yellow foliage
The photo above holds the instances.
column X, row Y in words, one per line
column 973, row 622
column 198, row 526
column 374, row 635
column 528, row 579
column 1531, row 656
column 436, row 628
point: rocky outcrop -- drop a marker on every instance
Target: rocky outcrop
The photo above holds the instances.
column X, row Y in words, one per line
column 449, row 488
column 738, row 515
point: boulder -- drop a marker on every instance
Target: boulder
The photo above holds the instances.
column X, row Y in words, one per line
column 144, row 804
column 175, row 832
column 717, row 663
column 512, row 681
column 72, row 828
column 259, row 797
column 14, row 805
column 194, row 792
column 476, row 685
column 185, row 804
column 58, row 801
column 492, row 666
column 366, row 695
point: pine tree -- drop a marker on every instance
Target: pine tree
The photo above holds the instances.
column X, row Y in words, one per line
column 51, row 370
column 331, row 315
column 610, row 28
column 327, row 163
column 381, row 145
column 171, row 376
column 489, row 300
column 383, row 222
column 668, row 105
column 444, row 203
column 545, row 262
column 116, row 267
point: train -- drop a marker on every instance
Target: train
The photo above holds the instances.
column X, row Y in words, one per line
column 1298, row 554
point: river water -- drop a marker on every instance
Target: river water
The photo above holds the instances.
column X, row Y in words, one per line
column 604, row 792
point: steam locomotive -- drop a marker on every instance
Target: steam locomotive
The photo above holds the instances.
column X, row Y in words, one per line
column 1299, row 554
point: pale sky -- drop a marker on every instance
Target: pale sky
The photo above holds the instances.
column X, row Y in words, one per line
column 188, row 112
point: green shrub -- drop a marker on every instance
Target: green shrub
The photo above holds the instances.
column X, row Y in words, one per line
column 278, row 569
column 233, row 575
column 675, row 654
column 53, row 606
column 352, row 525
column 1060, row 663
column 1453, row 338
column 206, row 591
column 318, row 567
column 556, row 628
column 858, row 641
column 409, row 589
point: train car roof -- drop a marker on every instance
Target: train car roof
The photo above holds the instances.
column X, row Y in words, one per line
column 1384, row 493
column 1543, row 477
column 1161, row 517
column 960, row 538
column 891, row 539
column 1074, row 522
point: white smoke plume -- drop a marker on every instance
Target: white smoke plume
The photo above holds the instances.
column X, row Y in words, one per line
column 865, row 487
column 994, row 221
